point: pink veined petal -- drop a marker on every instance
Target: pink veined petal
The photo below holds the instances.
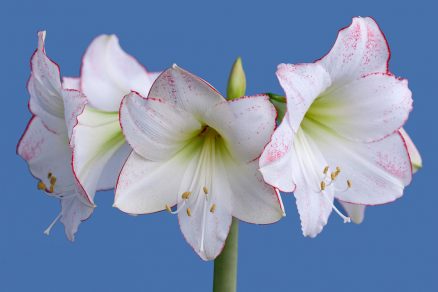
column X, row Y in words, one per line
column 355, row 211
column 302, row 84
column 71, row 83
column 186, row 91
column 154, row 128
column 314, row 205
column 74, row 103
column 74, row 211
column 246, row 124
column 276, row 162
column 367, row 109
column 44, row 87
column 414, row 154
column 109, row 73
column 360, row 49
column 379, row 171
column 47, row 152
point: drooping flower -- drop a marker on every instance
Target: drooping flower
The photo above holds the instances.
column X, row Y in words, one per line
column 357, row 212
column 99, row 147
column 194, row 149
column 45, row 142
column 340, row 137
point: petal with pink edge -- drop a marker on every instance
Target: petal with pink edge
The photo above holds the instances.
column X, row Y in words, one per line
column 73, row 212
column 414, row 154
column 355, row 211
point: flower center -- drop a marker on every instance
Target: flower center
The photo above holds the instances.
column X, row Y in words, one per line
column 198, row 194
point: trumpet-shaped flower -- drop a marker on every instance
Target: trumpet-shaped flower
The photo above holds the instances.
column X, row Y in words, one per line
column 340, row 137
column 198, row 151
column 45, row 142
column 99, row 147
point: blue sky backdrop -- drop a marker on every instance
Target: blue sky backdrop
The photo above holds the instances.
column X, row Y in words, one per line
column 395, row 249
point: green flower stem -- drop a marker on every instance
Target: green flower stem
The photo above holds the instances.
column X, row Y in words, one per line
column 225, row 265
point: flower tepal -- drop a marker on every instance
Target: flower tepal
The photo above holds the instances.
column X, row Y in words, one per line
column 195, row 155
column 340, row 137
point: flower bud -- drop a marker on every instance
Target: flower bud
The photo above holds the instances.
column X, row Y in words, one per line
column 236, row 81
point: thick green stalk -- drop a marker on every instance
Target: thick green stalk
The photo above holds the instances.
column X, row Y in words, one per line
column 225, row 265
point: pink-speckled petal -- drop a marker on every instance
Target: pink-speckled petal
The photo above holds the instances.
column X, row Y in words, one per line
column 109, row 73
column 414, row 154
column 47, row 152
column 73, row 212
column 156, row 129
column 379, row 171
column 366, row 109
column 74, row 103
column 276, row 162
column 186, row 91
column 246, row 124
column 302, row 84
column 45, row 89
column 360, row 49
column 355, row 211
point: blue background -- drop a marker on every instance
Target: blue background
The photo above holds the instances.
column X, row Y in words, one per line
column 395, row 249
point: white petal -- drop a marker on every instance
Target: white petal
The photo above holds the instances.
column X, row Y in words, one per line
column 185, row 91
column 366, row 109
column 74, row 103
column 246, row 124
column 44, row 87
column 302, row 84
column 47, row 152
column 378, row 171
column 313, row 205
column 108, row 74
column 74, row 211
column 414, row 154
column 360, row 49
column 71, row 83
column 355, row 211
column 96, row 139
column 146, row 186
column 154, row 128
column 276, row 162
column 111, row 171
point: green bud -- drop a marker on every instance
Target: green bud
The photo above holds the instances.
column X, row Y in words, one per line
column 236, row 81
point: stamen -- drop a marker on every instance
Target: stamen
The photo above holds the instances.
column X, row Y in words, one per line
column 345, row 218
column 47, row 231
column 326, row 169
column 322, row 185
column 49, row 175
column 52, row 189
column 53, row 180
column 41, row 185
column 168, row 209
column 333, row 175
column 189, row 212
column 349, row 184
column 205, row 189
column 213, row 208
column 186, row 195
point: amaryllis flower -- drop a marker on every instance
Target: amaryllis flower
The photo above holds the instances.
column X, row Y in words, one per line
column 340, row 137
column 357, row 212
column 194, row 149
column 45, row 142
column 99, row 147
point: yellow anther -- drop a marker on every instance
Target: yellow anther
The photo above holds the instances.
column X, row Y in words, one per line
column 49, row 175
column 205, row 189
column 168, row 209
column 41, row 185
column 52, row 189
column 53, row 180
column 189, row 212
column 186, row 195
column 325, row 170
column 334, row 174
column 213, row 208
column 322, row 185
column 349, row 184
column 338, row 169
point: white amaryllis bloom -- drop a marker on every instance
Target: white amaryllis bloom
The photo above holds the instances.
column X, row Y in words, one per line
column 194, row 149
column 99, row 147
column 45, row 142
column 340, row 137
column 357, row 212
